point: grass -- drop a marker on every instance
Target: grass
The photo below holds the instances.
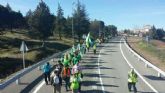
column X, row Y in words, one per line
column 154, row 51
column 11, row 57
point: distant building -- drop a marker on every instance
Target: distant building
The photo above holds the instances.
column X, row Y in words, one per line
column 146, row 28
column 142, row 31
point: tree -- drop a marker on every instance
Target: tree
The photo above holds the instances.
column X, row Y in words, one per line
column 10, row 19
column 81, row 21
column 28, row 18
column 153, row 33
column 3, row 17
column 68, row 27
column 59, row 23
column 41, row 22
column 8, row 7
column 112, row 30
column 160, row 33
column 94, row 28
column 18, row 20
column 97, row 28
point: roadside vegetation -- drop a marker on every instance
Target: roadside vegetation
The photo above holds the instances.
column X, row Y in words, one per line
column 11, row 57
column 153, row 51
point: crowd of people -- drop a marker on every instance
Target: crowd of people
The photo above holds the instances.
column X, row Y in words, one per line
column 69, row 69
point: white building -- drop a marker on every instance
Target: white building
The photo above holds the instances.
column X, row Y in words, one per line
column 145, row 29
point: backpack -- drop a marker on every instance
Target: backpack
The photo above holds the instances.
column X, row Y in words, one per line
column 66, row 72
column 56, row 80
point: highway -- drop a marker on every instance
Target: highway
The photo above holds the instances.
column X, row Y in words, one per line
column 105, row 72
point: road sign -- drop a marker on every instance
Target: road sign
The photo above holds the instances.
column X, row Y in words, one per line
column 23, row 47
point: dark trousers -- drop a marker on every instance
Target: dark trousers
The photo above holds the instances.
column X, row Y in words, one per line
column 57, row 88
column 67, row 83
column 79, row 89
column 130, row 85
column 84, row 50
column 94, row 51
column 88, row 49
column 47, row 77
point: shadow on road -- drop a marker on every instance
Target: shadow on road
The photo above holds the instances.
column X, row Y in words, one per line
column 30, row 86
column 95, row 91
column 154, row 77
column 110, row 51
column 97, row 75
column 96, row 83
column 144, row 92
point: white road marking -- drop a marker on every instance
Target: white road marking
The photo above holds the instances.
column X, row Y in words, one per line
column 94, row 87
column 102, row 87
column 96, row 71
column 95, row 78
column 137, row 71
column 38, row 87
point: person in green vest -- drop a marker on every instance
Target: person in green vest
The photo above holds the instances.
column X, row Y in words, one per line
column 80, row 76
column 132, row 80
column 87, row 46
column 66, row 60
column 76, row 58
column 74, row 83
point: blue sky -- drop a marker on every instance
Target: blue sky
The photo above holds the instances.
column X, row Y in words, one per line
column 122, row 13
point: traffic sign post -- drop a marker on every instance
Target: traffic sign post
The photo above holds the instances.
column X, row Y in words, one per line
column 23, row 49
column 147, row 40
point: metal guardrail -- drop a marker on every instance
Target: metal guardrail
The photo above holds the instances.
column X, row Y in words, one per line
column 147, row 63
column 21, row 73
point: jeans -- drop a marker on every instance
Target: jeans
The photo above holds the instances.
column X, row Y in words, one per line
column 47, row 75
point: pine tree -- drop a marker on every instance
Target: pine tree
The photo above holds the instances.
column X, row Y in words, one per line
column 81, row 21
column 59, row 23
column 41, row 22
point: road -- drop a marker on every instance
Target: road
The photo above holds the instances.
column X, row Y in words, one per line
column 107, row 72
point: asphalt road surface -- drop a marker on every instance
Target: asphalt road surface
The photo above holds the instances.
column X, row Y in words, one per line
column 107, row 72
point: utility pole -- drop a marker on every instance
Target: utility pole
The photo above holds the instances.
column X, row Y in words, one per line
column 73, row 30
column 73, row 24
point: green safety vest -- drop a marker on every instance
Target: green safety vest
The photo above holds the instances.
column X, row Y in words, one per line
column 66, row 62
column 75, row 60
column 132, row 77
column 94, row 46
column 87, row 44
column 79, row 56
column 75, row 83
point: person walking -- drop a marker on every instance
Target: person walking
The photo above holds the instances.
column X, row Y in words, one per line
column 46, row 69
column 56, row 81
column 80, row 77
column 74, row 83
column 66, row 77
column 132, row 80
